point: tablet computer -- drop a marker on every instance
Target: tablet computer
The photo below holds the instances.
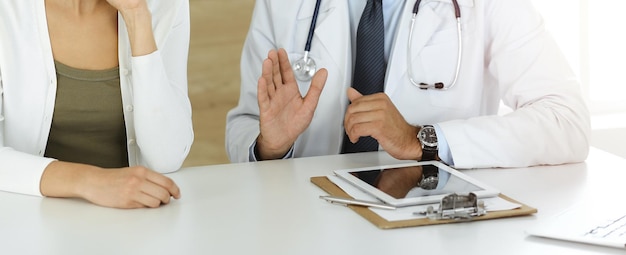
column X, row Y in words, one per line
column 425, row 182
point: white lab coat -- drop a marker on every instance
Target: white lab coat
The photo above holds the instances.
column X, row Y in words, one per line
column 507, row 56
column 157, row 110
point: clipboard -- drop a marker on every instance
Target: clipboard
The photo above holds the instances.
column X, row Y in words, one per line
column 332, row 189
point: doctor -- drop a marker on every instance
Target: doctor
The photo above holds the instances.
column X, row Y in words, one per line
column 506, row 55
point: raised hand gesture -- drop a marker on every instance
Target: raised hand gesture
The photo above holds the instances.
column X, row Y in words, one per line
column 284, row 113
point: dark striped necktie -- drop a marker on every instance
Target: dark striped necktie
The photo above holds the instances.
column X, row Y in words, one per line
column 370, row 65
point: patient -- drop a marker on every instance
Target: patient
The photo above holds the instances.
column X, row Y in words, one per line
column 93, row 99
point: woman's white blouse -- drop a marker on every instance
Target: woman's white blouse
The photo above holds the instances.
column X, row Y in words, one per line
column 157, row 110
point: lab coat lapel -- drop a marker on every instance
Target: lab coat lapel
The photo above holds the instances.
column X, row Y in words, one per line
column 332, row 35
column 331, row 45
column 426, row 24
column 427, row 21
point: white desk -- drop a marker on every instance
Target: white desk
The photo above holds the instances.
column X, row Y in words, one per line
column 272, row 208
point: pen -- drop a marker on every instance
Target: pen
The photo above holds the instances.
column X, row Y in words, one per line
column 349, row 201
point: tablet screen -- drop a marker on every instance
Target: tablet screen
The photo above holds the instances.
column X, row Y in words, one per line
column 403, row 182
column 414, row 183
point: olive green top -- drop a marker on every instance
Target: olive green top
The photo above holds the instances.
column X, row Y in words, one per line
column 88, row 122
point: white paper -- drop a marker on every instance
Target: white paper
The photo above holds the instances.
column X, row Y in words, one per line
column 598, row 224
column 406, row 213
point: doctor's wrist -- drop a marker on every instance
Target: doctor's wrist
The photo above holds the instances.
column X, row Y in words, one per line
column 405, row 145
column 414, row 147
column 263, row 151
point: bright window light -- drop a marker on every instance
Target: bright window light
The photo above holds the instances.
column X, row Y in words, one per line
column 591, row 36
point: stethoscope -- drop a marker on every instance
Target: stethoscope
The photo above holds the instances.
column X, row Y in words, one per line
column 438, row 85
column 304, row 68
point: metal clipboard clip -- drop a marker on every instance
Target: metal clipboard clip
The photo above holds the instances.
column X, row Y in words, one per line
column 457, row 207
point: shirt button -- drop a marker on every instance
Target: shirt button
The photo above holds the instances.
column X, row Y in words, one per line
column 132, row 142
column 129, row 108
column 125, row 72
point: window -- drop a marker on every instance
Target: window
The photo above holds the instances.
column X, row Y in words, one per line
column 592, row 37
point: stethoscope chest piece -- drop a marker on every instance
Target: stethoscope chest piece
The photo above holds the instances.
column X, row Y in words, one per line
column 304, row 68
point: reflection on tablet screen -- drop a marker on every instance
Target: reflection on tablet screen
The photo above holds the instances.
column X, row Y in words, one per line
column 404, row 182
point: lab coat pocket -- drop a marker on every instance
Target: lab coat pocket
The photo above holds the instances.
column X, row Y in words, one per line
column 438, row 59
column 448, row 35
column 439, row 63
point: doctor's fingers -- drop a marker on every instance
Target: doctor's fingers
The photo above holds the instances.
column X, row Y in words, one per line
column 267, row 77
column 353, row 94
column 276, row 71
column 262, row 95
column 367, row 123
column 380, row 96
column 285, row 67
column 360, row 112
column 370, row 103
column 315, row 90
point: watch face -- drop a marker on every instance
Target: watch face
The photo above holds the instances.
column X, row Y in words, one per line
column 428, row 136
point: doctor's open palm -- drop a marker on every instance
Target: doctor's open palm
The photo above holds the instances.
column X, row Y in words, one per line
column 284, row 113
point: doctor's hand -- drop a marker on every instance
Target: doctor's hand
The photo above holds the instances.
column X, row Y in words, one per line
column 376, row 116
column 128, row 187
column 284, row 113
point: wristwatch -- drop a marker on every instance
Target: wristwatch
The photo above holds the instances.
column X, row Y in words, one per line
column 428, row 139
column 430, row 177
